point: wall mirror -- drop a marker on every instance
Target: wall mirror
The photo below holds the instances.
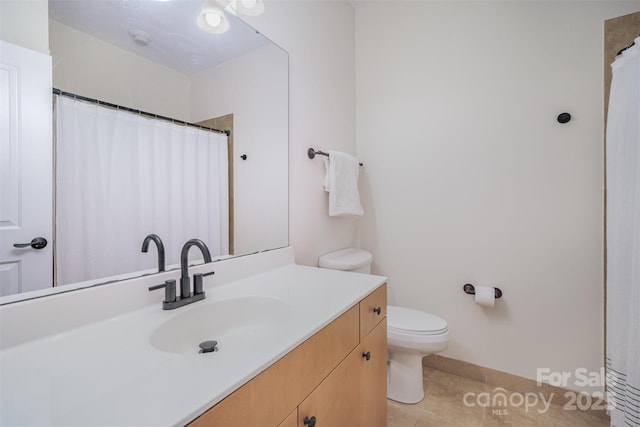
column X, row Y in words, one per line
column 151, row 56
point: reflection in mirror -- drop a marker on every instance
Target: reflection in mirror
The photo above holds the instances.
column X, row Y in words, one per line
column 122, row 176
column 151, row 56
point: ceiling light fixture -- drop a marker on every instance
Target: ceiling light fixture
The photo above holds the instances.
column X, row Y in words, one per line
column 247, row 7
column 212, row 18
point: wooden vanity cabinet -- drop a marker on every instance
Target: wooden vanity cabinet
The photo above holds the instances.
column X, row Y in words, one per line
column 337, row 376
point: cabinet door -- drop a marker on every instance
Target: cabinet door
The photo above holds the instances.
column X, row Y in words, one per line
column 374, row 378
column 337, row 400
column 355, row 394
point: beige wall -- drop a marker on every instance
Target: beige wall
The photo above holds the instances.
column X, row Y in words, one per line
column 470, row 178
column 95, row 69
column 13, row 16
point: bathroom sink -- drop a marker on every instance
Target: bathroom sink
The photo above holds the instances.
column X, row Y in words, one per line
column 226, row 321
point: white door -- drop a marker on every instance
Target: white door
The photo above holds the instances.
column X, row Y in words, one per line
column 25, row 169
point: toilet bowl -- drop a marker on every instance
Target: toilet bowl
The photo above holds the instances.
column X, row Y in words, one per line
column 411, row 334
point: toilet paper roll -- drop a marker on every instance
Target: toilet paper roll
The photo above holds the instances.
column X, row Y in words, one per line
column 485, row 296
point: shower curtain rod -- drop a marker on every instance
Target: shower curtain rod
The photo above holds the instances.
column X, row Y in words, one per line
column 57, row 91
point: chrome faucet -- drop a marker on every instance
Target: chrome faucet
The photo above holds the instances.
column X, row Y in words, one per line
column 158, row 241
column 185, row 286
column 171, row 301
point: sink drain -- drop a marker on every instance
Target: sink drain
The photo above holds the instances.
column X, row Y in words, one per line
column 208, row 346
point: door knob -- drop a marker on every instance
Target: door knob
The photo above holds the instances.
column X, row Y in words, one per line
column 37, row 243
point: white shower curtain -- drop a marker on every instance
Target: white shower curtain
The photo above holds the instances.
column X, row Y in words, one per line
column 121, row 176
column 623, row 240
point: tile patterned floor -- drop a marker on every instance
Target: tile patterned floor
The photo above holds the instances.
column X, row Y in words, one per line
column 444, row 406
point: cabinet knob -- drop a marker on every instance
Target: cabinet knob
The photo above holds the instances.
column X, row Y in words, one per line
column 367, row 355
column 377, row 310
column 311, row 422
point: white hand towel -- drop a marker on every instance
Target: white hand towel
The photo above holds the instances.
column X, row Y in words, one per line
column 341, row 181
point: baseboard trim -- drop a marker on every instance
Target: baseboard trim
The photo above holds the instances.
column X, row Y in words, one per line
column 559, row 396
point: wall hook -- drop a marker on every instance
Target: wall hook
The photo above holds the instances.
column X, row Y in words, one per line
column 243, row 157
column 564, row 118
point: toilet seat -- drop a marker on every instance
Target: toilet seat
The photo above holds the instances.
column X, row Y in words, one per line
column 407, row 321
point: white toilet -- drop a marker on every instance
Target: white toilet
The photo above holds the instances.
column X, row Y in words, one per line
column 411, row 334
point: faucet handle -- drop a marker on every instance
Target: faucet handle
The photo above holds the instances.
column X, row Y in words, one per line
column 169, row 290
column 197, row 282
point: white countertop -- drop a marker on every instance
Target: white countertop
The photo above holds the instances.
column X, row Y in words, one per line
column 109, row 373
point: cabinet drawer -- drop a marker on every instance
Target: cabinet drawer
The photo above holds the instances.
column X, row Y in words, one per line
column 372, row 310
column 269, row 398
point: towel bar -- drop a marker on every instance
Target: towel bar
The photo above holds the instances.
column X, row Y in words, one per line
column 312, row 154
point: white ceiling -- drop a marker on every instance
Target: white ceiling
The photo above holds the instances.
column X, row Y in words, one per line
column 176, row 40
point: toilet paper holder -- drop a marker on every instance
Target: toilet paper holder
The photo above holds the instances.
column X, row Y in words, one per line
column 468, row 288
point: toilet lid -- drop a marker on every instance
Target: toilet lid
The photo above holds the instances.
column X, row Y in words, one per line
column 408, row 319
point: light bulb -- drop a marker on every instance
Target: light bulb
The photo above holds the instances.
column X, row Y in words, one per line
column 213, row 19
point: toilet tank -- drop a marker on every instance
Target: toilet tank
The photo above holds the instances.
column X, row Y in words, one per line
column 349, row 259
